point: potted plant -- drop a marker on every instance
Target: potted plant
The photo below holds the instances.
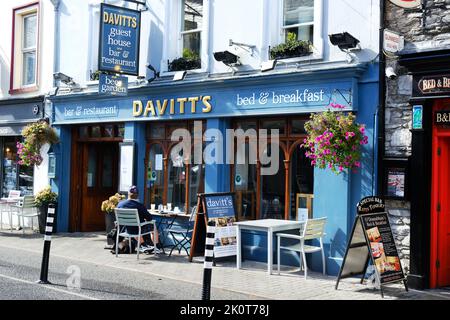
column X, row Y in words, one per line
column 42, row 199
column 108, row 207
column 334, row 140
column 291, row 48
column 35, row 136
column 189, row 61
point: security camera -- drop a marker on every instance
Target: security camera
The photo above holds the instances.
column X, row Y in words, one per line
column 390, row 73
column 63, row 78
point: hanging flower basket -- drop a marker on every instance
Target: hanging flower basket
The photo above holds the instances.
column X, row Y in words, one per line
column 35, row 136
column 334, row 140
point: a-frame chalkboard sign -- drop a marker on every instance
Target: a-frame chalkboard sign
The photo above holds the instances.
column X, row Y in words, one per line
column 372, row 240
column 220, row 208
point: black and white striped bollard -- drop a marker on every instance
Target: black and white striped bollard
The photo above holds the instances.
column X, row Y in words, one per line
column 209, row 256
column 47, row 242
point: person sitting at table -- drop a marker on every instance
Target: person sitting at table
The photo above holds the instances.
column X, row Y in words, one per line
column 144, row 215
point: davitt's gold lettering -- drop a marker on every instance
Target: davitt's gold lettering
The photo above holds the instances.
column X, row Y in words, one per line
column 119, row 20
column 207, row 106
column 171, row 106
column 149, row 108
column 137, row 108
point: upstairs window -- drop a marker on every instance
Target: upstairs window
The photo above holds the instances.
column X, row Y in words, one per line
column 29, row 49
column 298, row 18
column 24, row 54
column 191, row 28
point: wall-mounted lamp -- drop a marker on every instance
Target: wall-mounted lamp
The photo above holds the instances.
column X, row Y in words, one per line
column 345, row 41
column 268, row 65
column 179, row 75
column 64, row 78
column 228, row 58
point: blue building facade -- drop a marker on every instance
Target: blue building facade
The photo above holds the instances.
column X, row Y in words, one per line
column 89, row 123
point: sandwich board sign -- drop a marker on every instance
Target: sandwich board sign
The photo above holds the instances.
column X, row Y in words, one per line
column 217, row 207
column 372, row 241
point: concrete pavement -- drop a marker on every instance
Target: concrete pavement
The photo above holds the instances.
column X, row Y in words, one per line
column 87, row 249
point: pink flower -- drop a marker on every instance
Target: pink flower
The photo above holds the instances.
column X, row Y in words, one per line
column 362, row 129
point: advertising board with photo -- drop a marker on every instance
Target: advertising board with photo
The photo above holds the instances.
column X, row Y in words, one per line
column 220, row 209
column 396, row 182
column 382, row 247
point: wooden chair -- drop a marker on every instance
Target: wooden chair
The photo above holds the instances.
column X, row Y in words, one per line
column 313, row 229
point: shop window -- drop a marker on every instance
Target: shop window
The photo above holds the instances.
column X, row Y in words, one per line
column 280, row 125
column 298, row 126
column 107, row 169
column 14, row 176
column 25, row 49
column 96, row 132
column 155, row 175
column 196, row 185
column 302, row 185
column 107, row 132
column 156, row 131
column 273, row 189
column 298, row 18
column 176, row 188
column 245, row 183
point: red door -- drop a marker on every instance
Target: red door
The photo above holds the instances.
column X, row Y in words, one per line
column 440, row 244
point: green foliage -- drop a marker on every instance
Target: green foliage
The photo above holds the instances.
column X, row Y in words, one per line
column 35, row 136
column 290, row 48
column 45, row 196
column 189, row 61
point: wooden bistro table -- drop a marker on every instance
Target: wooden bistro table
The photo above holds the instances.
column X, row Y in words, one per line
column 166, row 220
column 267, row 225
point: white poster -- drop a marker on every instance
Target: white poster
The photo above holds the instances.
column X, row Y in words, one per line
column 126, row 167
column 158, row 162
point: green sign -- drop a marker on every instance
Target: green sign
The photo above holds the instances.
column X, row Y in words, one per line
column 417, row 118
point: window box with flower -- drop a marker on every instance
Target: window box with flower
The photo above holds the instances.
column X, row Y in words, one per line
column 334, row 140
column 292, row 48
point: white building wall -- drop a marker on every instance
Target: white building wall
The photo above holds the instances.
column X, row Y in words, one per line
column 253, row 22
column 44, row 72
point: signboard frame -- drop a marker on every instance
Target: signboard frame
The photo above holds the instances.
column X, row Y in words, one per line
column 102, row 81
column 101, row 67
column 396, row 168
column 407, row 4
column 367, row 207
column 130, row 176
column 387, row 35
column 199, row 232
column 443, row 115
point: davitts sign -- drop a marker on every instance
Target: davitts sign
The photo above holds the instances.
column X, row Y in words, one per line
column 433, row 85
column 406, row 3
column 119, row 40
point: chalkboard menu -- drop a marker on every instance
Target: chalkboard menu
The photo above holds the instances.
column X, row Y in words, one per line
column 217, row 207
column 372, row 240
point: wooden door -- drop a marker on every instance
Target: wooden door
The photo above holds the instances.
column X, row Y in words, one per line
column 443, row 213
column 99, row 175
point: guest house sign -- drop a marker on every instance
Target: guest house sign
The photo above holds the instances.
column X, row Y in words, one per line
column 431, row 85
column 406, row 3
column 119, row 40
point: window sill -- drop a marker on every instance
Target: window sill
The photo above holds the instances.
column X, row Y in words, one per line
column 192, row 71
column 23, row 90
column 313, row 56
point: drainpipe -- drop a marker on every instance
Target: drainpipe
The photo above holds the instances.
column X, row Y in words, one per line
column 56, row 4
column 381, row 102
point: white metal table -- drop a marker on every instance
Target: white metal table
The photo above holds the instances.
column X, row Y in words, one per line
column 267, row 225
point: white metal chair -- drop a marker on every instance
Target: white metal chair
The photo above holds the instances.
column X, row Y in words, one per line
column 26, row 208
column 130, row 217
column 313, row 229
column 4, row 207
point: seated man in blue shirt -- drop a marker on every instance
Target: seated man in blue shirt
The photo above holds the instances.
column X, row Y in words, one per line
column 144, row 215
